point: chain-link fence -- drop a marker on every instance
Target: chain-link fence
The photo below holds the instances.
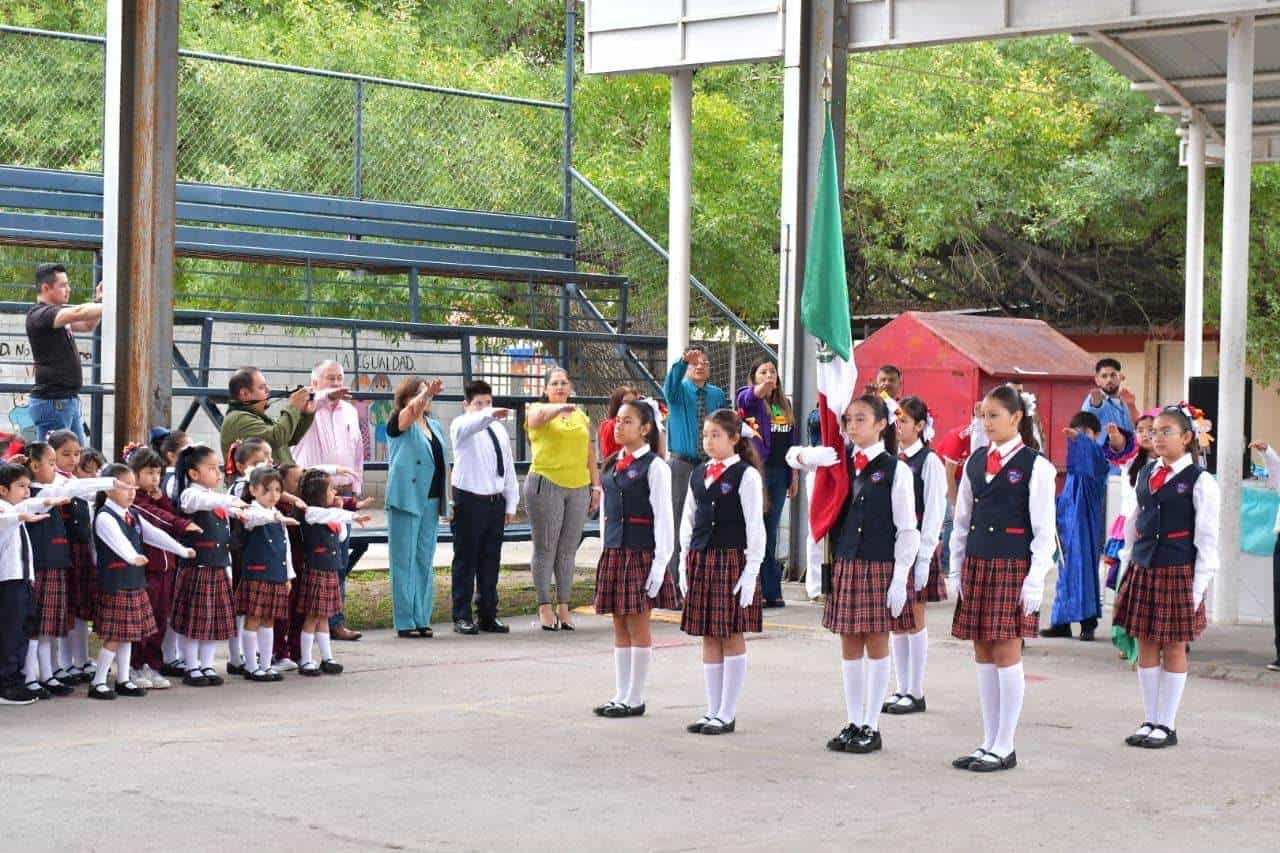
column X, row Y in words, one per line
column 254, row 124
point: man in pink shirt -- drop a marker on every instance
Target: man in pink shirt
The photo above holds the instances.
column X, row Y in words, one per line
column 334, row 439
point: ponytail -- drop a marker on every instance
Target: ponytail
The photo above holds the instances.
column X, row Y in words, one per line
column 188, row 458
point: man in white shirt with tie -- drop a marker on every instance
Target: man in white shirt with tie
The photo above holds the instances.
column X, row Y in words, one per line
column 485, row 496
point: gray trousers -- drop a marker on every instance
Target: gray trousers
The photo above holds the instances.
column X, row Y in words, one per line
column 557, row 516
column 680, row 471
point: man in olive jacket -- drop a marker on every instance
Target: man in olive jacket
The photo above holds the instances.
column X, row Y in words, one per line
column 247, row 415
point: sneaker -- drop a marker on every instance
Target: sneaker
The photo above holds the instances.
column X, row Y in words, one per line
column 140, row 680
column 158, row 681
column 16, row 696
column 285, row 665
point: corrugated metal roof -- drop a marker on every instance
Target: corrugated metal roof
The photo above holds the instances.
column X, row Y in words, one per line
column 1004, row 346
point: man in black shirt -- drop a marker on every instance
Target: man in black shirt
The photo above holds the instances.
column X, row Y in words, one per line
column 51, row 322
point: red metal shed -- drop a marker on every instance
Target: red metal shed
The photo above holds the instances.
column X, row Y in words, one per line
column 952, row 360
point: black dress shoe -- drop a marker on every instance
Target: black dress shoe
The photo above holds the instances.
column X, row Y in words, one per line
column 889, row 703
column 718, row 726
column 619, row 710
column 236, row 668
column 991, row 763
column 211, row 675
column 101, row 691
column 58, row 688
column 497, row 626
column 771, row 603
column 911, row 706
column 426, row 633
column 263, row 676
column 310, row 670
column 173, row 669
column 1086, row 635
column 465, row 626
column 407, row 635
column 840, row 742
column 1062, row 631
column 195, row 678
column 1140, row 735
column 600, row 709
column 130, row 689
column 37, row 691
column 1170, row 739
column 695, row 728
column 867, row 740
column 331, row 667
column 964, row 762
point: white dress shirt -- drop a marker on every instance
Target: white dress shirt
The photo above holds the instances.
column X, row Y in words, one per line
column 112, row 534
column 934, row 476
column 75, row 487
column 664, row 534
column 258, row 515
column 198, row 498
column 1207, row 500
column 333, row 437
column 331, row 515
column 906, row 544
column 1043, row 511
column 751, row 494
column 475, row 468
column 14, row 539
column 1273, row 475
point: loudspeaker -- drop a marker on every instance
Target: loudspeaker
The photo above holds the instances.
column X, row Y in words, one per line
column 1204, row 395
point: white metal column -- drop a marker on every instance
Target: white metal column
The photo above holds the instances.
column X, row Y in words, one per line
column 1193, row 324
column 1237, row 166
column 679, row 214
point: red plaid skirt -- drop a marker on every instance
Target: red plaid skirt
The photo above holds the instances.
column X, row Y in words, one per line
column 1159, row 605
column 936, row 587
column 181, row 588
column 262, row 599
column 124, row 616
column 53, row 612
column 907, row 621
column 990, row 605
column 320, row 594
column 856, row 604
column 82, row 583
column 712, row 608
column 202, row 607
column 621, row 576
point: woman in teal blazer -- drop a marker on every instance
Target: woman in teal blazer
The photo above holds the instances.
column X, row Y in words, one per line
column 417, row 495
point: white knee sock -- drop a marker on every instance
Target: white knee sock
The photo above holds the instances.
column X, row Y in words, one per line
column 621, row 673
column 170, row 645
column 1012, row 687
column 124, row 659
column 80, row 642
column 735, row 673
column 713, row 675
column 266, row 642
column 901, row 650
column 1149, row 684
column 208, row 649
column 65, row 660
column 191, row 653
column 919, row 654
column 1171, row 687
column 234, row 652
column 989, row 698
column 249, row 645
column 877, row 684
column 105, row 657
column 854, row 674
column 641, row 656
column 31, row 666
column 305, row 640
column 44, row 653
column 322, row 640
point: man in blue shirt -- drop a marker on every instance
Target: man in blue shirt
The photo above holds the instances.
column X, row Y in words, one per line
column 690, row 398
column 1111, row 402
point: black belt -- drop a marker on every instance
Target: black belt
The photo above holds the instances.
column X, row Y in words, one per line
column 459, row 493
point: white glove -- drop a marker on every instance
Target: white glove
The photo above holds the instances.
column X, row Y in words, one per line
column 656, row 576
column 1198, row 592
column 746, row 588
column 921, row 575
column 811, row 458
column 897, row 598
column 1032, row 593
column 684, row 577
column 954, row 581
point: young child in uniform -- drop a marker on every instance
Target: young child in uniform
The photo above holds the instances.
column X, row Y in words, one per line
column 82, row 581
column 639, row 536
column 722, row 542
column 929, row 478
column 124, row 610
column 203, row 611
column 1172, row 540
column 288, row 645
column 19, row 668
column 1002, row 547
column 242, row 456
column 324, row 527
column 168, row 443
column 262, row 596
column 1131, row 453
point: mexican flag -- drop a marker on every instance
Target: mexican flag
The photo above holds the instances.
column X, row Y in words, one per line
column 824, row 312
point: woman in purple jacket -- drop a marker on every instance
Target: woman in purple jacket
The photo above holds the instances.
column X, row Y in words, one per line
column 763, row 405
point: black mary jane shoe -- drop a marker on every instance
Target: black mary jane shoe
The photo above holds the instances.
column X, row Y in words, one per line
column 173, row 669
column 407, row 635
column 600, row 709
column 211, row 675
column 991, row 763
column 426, row 633
column 330, row 667
column 263, row 676
column 101, row 691
column 890, row 702
column 310, row 670
column 867, row 740
column 1170, row 739
column 1140, row 735
column 57, row 687
column 840, row 743
column 964, row 762
column 718, row 726
column 696, row 727
column 195, row 678
column 36, row 690
column 237, row 669
column 912, row 706
column 130, row 689
column 620, row 710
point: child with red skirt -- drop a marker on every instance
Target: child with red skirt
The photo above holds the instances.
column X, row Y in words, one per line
column 262, row 596
column 82, row 579
column 639, row 536
column 722, row 540
column 124, row 610
column 242, row 456
column 1172, row 540
column 1002, row 547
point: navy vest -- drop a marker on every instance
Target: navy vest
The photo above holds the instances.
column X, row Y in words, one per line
column 114, row 574
column 265, row 554
column 1000, row 524
column 916, row 464
column 77, row 518
column 627, row 511
column 50, row 544
column 868, row 532
column 212, row 545
column 321, row 548
column 718, row 522
column 1166, row 521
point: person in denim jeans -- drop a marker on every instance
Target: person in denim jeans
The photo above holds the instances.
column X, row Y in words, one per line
column 51, row 325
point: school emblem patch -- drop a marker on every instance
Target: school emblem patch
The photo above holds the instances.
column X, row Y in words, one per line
column 1015, row 476
column 726, row 488
column 632, row 473
column 1182, row 488
column 877, row 476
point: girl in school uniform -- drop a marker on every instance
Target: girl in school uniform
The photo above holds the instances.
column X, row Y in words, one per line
column 929, row 479
column 324, row 527
column 876, row 548
column 1131, row 452
column 168, row 443
column 1172, row 540
column 202, row 610
column 1002, row 547
column 262, row 596
column 242, row 456
column 288, row 649
column 722, row 540
column 639, row 536
column 124, row 611
column 77, row 517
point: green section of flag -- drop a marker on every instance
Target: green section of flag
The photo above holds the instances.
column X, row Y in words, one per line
column 824, row 303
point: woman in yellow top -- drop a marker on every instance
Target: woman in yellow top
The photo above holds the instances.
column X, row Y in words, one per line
column 563, row 486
